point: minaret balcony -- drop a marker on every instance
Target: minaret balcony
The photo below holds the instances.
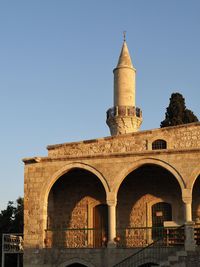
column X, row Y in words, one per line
column 124, row 111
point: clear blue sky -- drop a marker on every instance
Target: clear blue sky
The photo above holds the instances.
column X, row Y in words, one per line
column 56, row 62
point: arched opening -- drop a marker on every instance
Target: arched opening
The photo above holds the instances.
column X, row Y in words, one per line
column 140, row 191
column 70, row 210
column 76, row 265
column 196, row 201
column 148, row 264
column 196, row 209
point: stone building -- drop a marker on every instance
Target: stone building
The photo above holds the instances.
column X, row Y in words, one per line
column 96, row 202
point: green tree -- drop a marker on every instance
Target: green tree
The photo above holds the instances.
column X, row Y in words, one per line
column 177, row 113
column 11, row 221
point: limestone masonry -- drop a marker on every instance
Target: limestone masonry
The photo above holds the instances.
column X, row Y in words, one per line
column 94, row 203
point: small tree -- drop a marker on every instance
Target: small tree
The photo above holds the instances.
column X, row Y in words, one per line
column 11, row 221
column 177, row 113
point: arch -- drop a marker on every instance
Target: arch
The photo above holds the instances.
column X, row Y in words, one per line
column 147, row 184
column 75, row 165
column 193, row 177
column 194, row 184
column 50, row 182
column 124, row 173
column 76, row 260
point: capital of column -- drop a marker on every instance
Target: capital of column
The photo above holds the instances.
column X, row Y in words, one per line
column 111, row 202
column 111, row 199
column 187, row 196
column 187, row 200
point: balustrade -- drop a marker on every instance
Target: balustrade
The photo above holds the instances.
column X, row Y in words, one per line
column 75, row 238
column 126, row 237
column 143, row 236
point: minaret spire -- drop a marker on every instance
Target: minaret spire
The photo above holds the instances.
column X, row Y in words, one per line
column 124, row 34
column 124, row 117
column 124, row 58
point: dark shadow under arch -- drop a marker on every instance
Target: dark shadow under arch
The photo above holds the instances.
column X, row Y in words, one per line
column 69, row 203
column 76, row 265
column 148, row 180
column 196, row 200
column 143, row 187
column 148, row 264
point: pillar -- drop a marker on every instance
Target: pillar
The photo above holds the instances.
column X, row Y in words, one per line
column 188, row 211
column 190, row 242
column 111, row 223
column 187, row 200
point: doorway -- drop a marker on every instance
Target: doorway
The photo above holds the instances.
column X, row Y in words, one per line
column 161, row 212
column 100, row 225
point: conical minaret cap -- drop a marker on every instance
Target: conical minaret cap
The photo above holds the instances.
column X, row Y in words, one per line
column 124, row 58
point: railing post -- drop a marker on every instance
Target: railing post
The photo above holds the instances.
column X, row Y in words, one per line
column 111, row 223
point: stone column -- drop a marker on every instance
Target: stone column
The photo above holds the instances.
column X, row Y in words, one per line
column 190, row 243
column 188, row 211
column 111, row 223
column 187, row 200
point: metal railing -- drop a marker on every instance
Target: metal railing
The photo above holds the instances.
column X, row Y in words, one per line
column 169, row 239
column 137, row 237
column 75, row 238
column 197, row 233
column 143, row 236
column 124, row 111
column 12, row 243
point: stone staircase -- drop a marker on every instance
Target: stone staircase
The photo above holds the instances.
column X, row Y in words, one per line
column 179, row 258
column 178, row 254
column 153, row 255
column 182, row 259
column 175, row 260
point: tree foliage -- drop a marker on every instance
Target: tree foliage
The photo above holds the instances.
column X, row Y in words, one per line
column 11, row 221
column 177, row 113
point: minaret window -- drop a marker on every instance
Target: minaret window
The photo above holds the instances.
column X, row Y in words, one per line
column 159, row 144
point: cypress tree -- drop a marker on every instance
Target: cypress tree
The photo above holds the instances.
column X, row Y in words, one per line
column 177, row 113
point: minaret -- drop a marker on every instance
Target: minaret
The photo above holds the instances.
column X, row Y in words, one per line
column 124, row 117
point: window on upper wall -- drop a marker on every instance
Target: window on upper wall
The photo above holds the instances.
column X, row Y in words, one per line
column 159, row 144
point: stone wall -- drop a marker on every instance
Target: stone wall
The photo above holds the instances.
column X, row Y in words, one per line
column 62, row 258
column 187, row 136
column 109, row 161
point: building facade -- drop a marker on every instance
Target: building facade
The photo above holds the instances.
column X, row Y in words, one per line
column 96, row 202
